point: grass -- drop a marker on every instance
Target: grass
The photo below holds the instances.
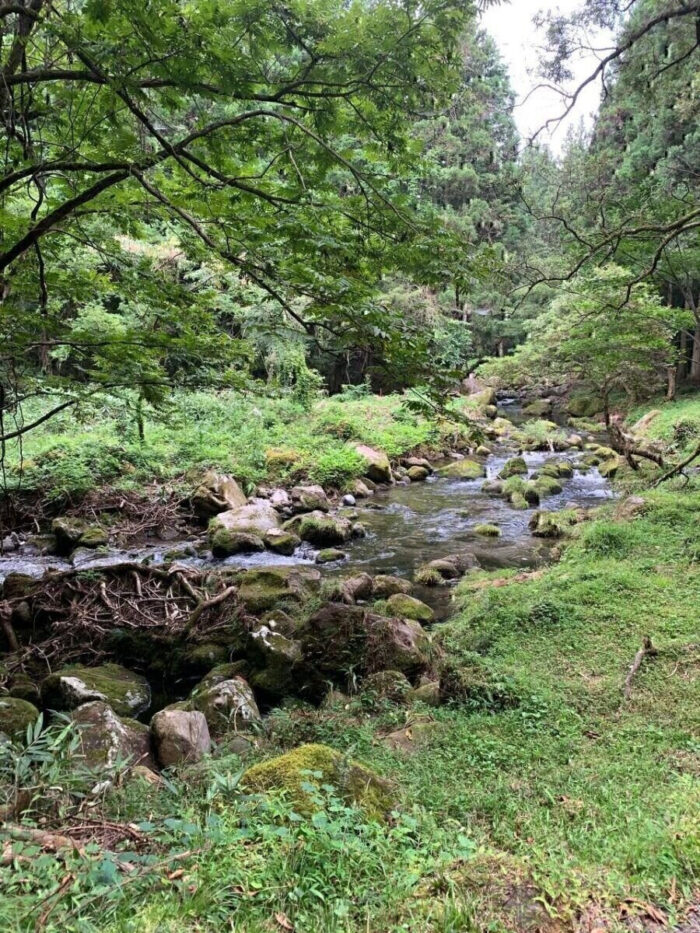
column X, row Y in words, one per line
column 541, row 780
column 257, row 439
column 677, row 424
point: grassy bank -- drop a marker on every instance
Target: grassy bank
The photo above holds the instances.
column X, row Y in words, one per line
column 541, row 798
column 256, row 438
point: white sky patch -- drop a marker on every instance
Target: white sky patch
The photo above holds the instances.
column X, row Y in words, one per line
column 518, row 41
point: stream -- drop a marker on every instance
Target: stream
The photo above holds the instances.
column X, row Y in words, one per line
column 407, row 525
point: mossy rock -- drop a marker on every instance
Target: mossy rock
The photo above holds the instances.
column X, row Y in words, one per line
column 427, row 692
column 377, row 466
column 388, row 685
column 282, row 542
column 519, row 502
column 464, row 469
column 228, row 706
column 407, row 607
column 127, row 693
column 553, row 524
column 547, row 486
column 24, row 688
column 324, row 530
column 319, row 765
column 330, row 555
column 516, row 466
column 263, row 589
column 107, row 739
column 309, row 499
column 492, row 487
column 418, row 474
column 584, row 406
column 470, row 681
column 15, row 715
column 429, row 576
column 199, row 659
column 488, row 530
column 385, row 585
column 609, row 468
column 538, row 408
column 483, row 451
column 18, row 586
column 225, row 543
column 276, row 658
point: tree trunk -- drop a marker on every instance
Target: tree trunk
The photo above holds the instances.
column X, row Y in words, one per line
column 695, row 359
column 671, row 386
column 682, row 369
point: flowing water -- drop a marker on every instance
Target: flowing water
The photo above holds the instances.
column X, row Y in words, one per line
column 406, row 526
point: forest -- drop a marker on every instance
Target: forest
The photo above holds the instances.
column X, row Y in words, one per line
column 349, row 467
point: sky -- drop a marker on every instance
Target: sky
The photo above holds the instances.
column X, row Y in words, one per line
column 517, row 38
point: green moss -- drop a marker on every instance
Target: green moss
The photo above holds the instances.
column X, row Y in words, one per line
column 126, row 692
column 518, row 501
column 516, row 466
column 429, row 576
column 318, row 765
column 488, row 530
column 547, row 486
column 15, row 715
column 464, row 469
column 324, row 530
column 610, row 467
column 407, row 607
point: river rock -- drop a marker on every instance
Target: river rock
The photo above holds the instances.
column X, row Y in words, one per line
column 180, row 736
column 464, row 469
column 610, row 467
column 539, row 408
column 217, row 492
column 552, row 524
column 516, row 466
column 309, row 499
column 547, row 486
column 265, row 588
column 487, row 530
column 492, row 487
column 228, row 706
column 256, row 518
column 378, row 467
column 279, row 499
column 419, row 462
column 439, row 571
column 106, row 738
column 330, row 555
column 386, row 586
column 407, row 607
column 323, row 530
column 418, row 474
column 360, row 489
column 72, row 532
column 349, row 500
column 225, row 543
column 127, row 693
column 281, row 541
column 427, row 692
column 15, row 715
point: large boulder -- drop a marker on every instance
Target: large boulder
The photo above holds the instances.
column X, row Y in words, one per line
column 281, row 541
column 378, row 467
column 127, row 693
column 443, row 569
column 539, row 408
column 256, row 518
column 324, row 530
column 15, row 715
column 227, row 543
column 267, row 587
column 275, row 657
column 464, row 469
column 217, row 492
column 228, row 706
column 319, row 765
column 516, row 466
column 309, row 499
column 107, row 739
column 180, row 736
column 339, row 638
column 73, row 532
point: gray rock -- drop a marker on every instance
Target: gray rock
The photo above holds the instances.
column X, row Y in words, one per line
column 309, row 499
column 127, row 693
column 217, row 492
column 349, row 500
column 228, row 706
column 256, row 518
column 180, row 736
column 107, row 739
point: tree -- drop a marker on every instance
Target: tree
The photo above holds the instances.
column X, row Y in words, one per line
column 260, row 137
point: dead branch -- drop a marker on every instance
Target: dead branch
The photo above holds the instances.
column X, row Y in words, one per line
column 679, row 467
column 629, row 447
column 647, row 649
column 208, row 604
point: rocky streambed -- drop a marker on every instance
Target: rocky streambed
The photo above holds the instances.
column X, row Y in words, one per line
column 288, row 595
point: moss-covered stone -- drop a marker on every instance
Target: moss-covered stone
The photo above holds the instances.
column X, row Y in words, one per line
column 427, row 692
column 255, row 518
column 199, row 659
column 217, row 492
column 519, row 502
column 18, row 585
column 319, row 765
column 330, row 555
column 228, row 706
column 464, row 469
column 386, row 585
column 583, row 406
column 492, row 487
column 553, row 524
column 263, row 589
column 24, row 688
column 547, row 486
column 516, row 466
column 418, row 474
column 15, row 715
column 377, row 463
column 407, row 607
column 483, row 451
column 107, row 739
column 388, row 685
column 309, row 499
column 225, row 543
column 72, row 532
column 324, row 530
column 610, row 467
column 127, row 693
column 275, row 657
column 538, row 408
column 488, row 530
column 281, row 541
